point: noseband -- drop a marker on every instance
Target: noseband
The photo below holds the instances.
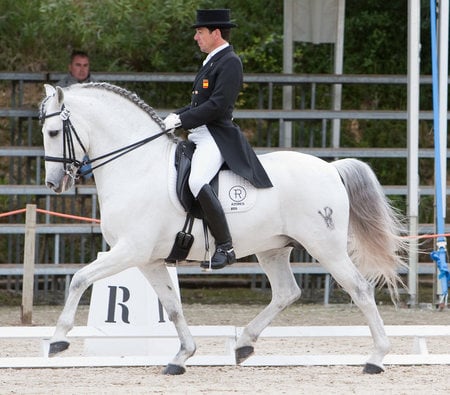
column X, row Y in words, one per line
column 72, row 166
column 68, row 159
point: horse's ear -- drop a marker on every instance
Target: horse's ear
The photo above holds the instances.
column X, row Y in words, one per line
column 49, row 90
column 59, row 95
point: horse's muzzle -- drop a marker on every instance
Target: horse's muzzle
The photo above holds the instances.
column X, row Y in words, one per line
column 64, row 184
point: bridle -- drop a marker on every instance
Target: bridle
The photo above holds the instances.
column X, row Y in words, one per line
column 73, row 166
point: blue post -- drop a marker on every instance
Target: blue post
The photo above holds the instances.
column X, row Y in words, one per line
column 439, row 256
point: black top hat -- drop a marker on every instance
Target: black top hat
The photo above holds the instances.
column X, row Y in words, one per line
column 214, row 18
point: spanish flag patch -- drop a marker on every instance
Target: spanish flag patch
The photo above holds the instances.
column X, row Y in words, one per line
column 205, row 84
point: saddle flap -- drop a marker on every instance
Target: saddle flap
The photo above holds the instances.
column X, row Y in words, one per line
column 183, row 157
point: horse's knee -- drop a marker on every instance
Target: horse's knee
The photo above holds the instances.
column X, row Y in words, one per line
column 361, row 291
column 174, row 316
column 78, row 282
column 363, row 294
column 287, row 297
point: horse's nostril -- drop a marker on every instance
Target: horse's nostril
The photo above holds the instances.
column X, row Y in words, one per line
column 50, row 185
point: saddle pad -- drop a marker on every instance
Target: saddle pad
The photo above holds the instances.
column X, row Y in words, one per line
column 235, row 193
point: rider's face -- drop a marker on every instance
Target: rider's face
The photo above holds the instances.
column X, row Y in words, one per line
column 79, row 67
column 206, row 40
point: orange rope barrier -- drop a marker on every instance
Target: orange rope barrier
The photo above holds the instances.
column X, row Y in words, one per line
column 22, row 210
column 429, row 236
column 51, row 213
column 67, row 216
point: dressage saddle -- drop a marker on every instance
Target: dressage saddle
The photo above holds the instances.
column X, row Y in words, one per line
column 184, row 239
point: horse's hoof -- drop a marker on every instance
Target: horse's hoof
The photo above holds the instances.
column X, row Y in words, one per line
column 370, row 368
column 174, row 369
column 243, row 353
column 57, row 347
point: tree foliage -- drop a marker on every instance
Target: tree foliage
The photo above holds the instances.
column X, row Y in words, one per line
column 121, row 35
column 156, row 36
column 129, row 35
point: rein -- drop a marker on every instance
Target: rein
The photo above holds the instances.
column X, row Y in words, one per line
column 69, row 150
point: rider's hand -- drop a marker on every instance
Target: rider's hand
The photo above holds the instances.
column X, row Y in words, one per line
column 172, row 121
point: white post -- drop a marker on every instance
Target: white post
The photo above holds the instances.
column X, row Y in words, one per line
column 286, row 133
column 28, row 264
column 338, row 69
column 413, row 142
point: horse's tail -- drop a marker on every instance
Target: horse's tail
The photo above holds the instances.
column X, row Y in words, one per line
column 375, row 227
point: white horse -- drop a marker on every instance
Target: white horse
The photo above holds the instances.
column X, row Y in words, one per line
column 336, row 211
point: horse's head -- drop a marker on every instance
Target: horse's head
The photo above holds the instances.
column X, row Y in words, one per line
column 98, row 120
column 63, row 148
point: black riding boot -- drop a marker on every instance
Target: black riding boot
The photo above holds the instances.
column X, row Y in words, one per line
column 217, row 223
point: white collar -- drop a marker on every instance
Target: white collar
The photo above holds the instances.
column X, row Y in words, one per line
column 212, row 53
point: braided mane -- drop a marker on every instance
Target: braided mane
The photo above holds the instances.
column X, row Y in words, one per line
column 131, row 96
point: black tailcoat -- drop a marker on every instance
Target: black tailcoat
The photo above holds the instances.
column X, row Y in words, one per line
column 216, row 88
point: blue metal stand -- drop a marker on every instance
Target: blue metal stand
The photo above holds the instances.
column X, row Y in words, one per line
column 439, row 256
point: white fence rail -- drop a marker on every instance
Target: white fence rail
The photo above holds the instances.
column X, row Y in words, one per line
column 418, row 334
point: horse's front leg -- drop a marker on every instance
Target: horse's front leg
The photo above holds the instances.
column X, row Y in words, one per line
column 159, row 278
column 107, row 264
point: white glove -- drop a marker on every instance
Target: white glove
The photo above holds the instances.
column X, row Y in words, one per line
column 172, row 121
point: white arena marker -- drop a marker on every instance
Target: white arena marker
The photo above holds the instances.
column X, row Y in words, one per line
column 122, row 303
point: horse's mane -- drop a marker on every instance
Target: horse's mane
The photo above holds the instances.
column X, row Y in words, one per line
column 131, row 96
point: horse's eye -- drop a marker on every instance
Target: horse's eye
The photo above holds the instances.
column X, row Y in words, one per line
column 53, row 133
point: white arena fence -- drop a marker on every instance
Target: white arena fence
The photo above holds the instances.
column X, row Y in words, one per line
column 111, row 345
column 418, row 334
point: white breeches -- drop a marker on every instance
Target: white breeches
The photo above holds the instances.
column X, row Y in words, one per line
column 206, row 161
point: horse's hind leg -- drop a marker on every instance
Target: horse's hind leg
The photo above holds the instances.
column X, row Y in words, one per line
column 285, row 291
column 105, row 265
column 362, row 294
column 158, row 276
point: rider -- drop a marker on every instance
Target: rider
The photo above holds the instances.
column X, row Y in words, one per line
column 209, row 121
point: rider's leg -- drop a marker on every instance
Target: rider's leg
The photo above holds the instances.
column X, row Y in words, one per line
column 206, row 162
column 217, row 223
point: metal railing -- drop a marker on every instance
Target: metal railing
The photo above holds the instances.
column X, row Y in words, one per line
column 23, row 151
